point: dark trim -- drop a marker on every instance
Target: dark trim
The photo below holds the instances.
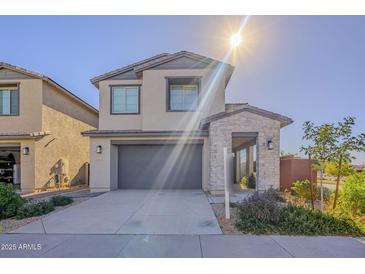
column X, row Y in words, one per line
column 139, row 99
column 157, row 142
column 169, row 78
column 19, row 136
column 121, row 133
column 245, row 134
column 17, row 84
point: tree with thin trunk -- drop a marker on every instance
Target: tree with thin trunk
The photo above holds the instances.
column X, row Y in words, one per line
column 345, row 144
column 311, row 179
column 322, row 140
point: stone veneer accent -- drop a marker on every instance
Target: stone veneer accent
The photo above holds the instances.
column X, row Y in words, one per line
column 268, row 161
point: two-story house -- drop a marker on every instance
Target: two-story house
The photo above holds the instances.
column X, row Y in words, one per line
column 41, row 145
column 164, row 124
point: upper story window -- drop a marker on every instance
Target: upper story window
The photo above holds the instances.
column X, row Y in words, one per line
column 125, row 99
column 183, row 93
column 9, row 100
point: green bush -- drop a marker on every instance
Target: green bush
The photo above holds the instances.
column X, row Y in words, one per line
column 302, row 190
column 9, row 201
column 258, row 214
column 61, row 200
column 352, row 195
column 273, row 195
column 32, row 209
column 262, row 214
column 297, row 220
column 244, row 181
column 252, row 181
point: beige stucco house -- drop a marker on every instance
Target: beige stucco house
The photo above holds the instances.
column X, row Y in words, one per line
column 41, row 122
column 163, row 123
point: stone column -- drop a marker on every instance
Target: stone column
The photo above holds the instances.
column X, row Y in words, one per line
column 238, row 166
column 249, row 161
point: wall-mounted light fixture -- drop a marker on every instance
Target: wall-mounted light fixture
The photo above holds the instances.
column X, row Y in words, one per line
column 25, row 150
column 99, row 149
column 270, row 144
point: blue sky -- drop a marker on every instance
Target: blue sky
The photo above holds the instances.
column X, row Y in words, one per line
column 305, row 67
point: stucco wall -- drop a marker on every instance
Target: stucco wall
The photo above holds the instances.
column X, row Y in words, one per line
column 60, row 101
column 30, row 101
column 153, row 114
column 116, row 121
column 268, row 161
column 64, row 143
column 103, row 167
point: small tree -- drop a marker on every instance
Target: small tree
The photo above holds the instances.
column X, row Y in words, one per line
column 321, row 150
column 344, row 145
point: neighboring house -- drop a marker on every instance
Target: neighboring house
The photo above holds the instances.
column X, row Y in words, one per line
column 163, row 123
column 40, row 131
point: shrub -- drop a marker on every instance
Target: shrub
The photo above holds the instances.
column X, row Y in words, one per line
column 302, row 190
column 262, row 214
column 9, row 201
column 258, row 214
column 273, row 195
column 32, row 209
column 297, row 220
column 61, row 200
column 252, row 181
column 352, row 195
column 244, row 181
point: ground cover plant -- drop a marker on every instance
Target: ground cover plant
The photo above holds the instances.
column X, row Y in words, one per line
column 266, row 213
column 13, row 205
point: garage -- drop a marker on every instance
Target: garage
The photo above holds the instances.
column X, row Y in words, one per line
column 160, row 166
column 10, row 165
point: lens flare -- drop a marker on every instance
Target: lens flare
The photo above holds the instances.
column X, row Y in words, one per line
column 236, row 40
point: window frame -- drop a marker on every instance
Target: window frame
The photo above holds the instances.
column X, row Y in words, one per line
column 138, row 86
column 17, row 86
column 182, row 80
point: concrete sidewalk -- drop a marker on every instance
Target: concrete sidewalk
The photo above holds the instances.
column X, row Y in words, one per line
column 177, row 246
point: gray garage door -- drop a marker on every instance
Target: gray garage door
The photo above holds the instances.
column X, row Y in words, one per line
column 160, row 166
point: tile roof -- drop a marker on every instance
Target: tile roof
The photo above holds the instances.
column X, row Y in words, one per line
column 157, row 60
column 238, row 108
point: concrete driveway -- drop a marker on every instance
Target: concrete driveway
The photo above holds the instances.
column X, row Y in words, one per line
column 185, row 212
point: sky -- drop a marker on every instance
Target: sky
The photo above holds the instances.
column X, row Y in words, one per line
column 305, row 67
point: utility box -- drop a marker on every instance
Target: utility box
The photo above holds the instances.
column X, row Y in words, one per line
column 294, row 169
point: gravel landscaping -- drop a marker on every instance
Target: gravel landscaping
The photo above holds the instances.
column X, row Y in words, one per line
column 227, row 226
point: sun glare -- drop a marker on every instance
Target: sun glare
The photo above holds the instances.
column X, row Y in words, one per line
column 235, row 40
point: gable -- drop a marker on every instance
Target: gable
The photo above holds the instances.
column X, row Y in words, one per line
column 182, row 63
column 127, row 75
column 6, row 74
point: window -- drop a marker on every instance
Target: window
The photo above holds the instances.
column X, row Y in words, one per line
column 9, row 100
column 183, row 94
column 125, row 100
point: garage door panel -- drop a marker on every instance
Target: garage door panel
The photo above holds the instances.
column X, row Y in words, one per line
column 160, row 166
